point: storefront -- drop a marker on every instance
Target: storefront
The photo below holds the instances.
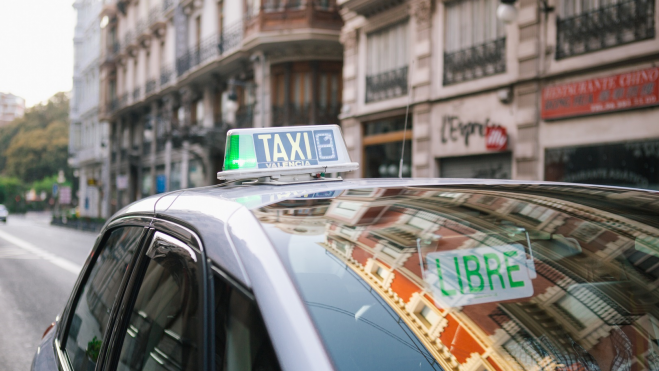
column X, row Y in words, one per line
column 383, row 144
column 603, row 130
column 472, row 143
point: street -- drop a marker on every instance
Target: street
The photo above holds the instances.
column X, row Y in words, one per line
column 39, row 264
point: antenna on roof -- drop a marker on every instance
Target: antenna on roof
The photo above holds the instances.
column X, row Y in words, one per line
column 407, row 110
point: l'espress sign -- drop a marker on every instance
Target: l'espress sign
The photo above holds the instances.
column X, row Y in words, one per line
column 480, row 275
column 611, row 93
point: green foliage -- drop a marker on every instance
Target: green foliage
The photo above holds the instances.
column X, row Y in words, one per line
column 10, row 188
column 36, row 145
column 93, row 348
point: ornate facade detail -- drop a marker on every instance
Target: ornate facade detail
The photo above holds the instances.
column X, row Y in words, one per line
column 421, row 10
column 349, row 39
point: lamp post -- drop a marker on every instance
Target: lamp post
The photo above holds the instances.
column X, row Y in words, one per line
column 507, row 12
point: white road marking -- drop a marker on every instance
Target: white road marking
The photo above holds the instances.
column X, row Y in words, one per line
column 67, row 265
column 15, row 253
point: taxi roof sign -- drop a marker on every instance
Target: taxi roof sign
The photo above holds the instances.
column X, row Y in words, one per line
column 282, row 151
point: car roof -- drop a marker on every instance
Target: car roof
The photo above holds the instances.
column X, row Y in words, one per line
column 207, row 210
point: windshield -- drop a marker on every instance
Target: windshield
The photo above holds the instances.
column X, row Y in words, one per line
column 539, row 278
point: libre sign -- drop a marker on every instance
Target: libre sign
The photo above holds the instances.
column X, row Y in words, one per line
column 612, row 93
column 480, row 275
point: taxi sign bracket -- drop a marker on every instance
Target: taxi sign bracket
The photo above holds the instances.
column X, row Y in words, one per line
column 287, row 180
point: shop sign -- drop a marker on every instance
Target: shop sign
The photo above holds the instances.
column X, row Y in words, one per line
column 453, row 129
column 496, row 138
column 481, row 275
column 604, row 94
column 122, row 182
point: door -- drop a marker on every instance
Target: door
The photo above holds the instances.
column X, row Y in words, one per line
column 160, row 324
column 99, row 290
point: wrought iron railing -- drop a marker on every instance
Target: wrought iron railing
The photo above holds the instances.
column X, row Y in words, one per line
column 245, row 116
column 150, row 86
column 166, row 75
column 327, row 114
column 305, row 114
column 136, row 93
column 478, row 61
column 327, row 5
column 211, row 47
column 612, row 25
column 386, row 85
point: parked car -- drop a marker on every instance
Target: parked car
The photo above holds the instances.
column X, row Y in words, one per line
column 4, row 213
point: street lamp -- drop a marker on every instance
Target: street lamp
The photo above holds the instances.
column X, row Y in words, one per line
column 507, row 12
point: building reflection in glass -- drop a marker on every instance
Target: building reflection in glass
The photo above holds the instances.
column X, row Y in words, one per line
column 595, row 254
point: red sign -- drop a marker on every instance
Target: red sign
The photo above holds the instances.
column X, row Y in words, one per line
column 613, row 93
column 496, row 138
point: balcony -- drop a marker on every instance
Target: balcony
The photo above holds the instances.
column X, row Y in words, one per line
column 245, row 116
column 478, row 61
column 210, row 48
column 305, row 114
column 293, row 14
column 150, row 86
column 166, row 75
column 137, row 92
column 386, row 85
column 146, row 148
column 369, row 8
column 609, row 26
column 111, row 53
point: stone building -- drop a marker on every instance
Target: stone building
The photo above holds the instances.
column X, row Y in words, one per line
column 177, row 74
column 88, row 133
column 11, row 108
column 557, row 94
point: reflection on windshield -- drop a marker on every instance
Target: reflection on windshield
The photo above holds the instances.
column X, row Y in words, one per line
column 445, row 264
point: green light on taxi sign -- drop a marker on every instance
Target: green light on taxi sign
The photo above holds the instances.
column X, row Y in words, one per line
column 240, row 154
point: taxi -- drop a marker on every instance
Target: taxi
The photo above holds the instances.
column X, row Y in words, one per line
column 284, row 267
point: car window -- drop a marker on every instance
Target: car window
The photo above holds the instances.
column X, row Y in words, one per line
column 163, row 331
column 241, row 340
column 92, row 310
column 531, row 277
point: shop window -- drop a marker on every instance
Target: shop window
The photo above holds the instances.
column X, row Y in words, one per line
column 383, row 146
column 175, row 177
column 490, row 166
column 387, row 63
column 195, row 174
column 475, row 42
column 630, row 164
column 147, row 182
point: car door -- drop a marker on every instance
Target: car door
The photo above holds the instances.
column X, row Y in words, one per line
column 160, row 322
column 89, row 314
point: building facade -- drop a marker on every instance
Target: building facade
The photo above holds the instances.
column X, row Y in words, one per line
column 177, row 74
column 11, row 108
column 554, row 95
column 88, row 133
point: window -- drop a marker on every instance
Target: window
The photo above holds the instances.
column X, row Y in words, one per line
column 386, row 64
column 474, row 42
column 383, row 145
column 92, row 310
column 241, row 339
column 163, row 332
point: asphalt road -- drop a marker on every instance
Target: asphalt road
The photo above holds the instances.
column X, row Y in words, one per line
column 39, row 264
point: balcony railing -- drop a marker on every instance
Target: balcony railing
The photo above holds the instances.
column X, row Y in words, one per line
column 386, row 85
column 212, row 47
column 612, row 25
column 305, row 114
column 136, row 94
column 478, row 61
column 166, row 75
column 245, row 116
column 150, row 86
column 146, row 148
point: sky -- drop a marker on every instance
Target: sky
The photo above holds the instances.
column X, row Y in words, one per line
column 36, row 48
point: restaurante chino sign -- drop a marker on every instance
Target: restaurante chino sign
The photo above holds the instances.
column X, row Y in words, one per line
column 613, row 93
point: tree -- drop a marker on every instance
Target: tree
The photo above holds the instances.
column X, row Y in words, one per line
column 36, row 145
